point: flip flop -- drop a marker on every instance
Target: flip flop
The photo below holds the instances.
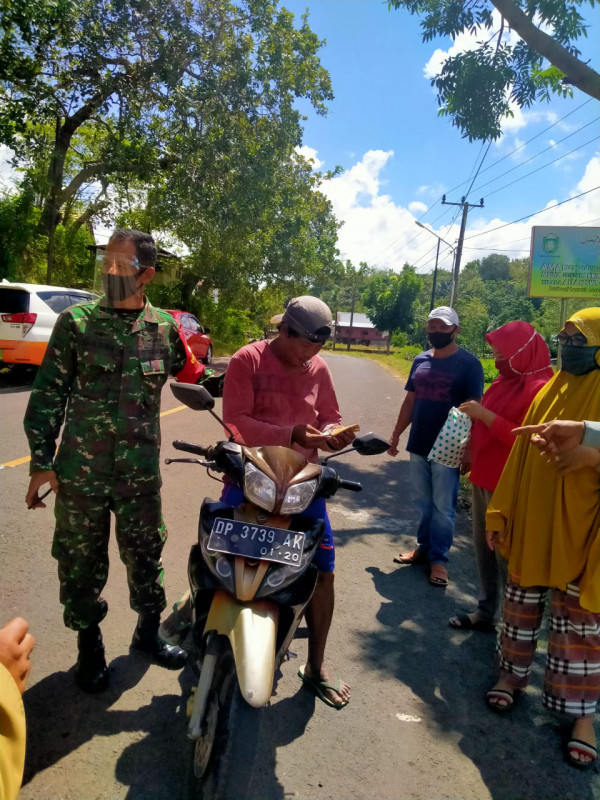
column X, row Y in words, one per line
column 438, row 575
column 319, row 686
column 585, row 748
column 494, row 695
column 414, row 557
column 463, row 622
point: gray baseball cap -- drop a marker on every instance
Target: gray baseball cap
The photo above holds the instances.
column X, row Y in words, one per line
column 309, row 317
column 445, row 313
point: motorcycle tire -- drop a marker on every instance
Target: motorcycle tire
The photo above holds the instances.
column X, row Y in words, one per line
column 229, row 772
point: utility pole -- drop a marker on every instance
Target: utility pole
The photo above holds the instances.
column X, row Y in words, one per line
column 351, row 311
column 437, row 256
column 465, row 210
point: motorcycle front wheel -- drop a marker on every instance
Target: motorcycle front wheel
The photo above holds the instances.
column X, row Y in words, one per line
column 223, row 760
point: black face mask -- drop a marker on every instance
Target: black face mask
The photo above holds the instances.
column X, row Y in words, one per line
column 578, row 360
column 118, row 287
column 439, row 339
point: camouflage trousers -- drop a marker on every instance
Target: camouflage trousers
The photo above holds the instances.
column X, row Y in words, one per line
column 81, row 548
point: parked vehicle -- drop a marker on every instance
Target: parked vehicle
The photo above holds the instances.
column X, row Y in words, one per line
column 197, row 336
column 28, row 312
column 251, row 576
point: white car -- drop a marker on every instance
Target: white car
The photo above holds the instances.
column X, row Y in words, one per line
column 28, row 312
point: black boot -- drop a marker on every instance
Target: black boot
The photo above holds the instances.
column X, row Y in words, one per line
column 91, row 672
column 146, row 639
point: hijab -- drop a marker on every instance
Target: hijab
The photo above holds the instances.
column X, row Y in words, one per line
column 527, row 369
column 551, row 520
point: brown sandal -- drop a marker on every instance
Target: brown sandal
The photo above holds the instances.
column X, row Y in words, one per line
column 414, row 557
column 438, row 575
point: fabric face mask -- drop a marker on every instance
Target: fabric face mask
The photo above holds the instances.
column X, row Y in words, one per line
column 578, row 360
column 504, row 368
column 439, row 339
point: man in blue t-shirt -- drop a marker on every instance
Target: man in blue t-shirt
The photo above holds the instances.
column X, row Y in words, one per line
column 440, row 378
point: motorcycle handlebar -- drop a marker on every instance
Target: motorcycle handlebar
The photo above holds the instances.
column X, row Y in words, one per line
column 188, row 447
column 352, row 486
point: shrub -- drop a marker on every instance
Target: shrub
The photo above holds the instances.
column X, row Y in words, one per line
column 489, row 370
column 411, row 351
column 399, row 339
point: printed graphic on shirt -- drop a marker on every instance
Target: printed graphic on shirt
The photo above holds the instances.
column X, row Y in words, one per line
column 433, row 386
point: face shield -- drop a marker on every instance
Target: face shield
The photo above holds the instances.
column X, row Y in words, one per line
column 116, row 273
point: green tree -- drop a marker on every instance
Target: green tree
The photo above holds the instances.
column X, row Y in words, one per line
column 504, row 298
column 268, row 223
column 112, row 98
column 475, row 88
column 474, row 324
column 390, row 299
column 495, row 267
column 18, row 222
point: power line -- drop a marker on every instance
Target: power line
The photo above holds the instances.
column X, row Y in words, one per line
column 395, row 255
column 516, row 180
column 533, row 213
column 477, row 173
column 545, row 150
column 419, row 235
column 524, row 144
column 437, row 201
column 446, row 252
column 499, row 250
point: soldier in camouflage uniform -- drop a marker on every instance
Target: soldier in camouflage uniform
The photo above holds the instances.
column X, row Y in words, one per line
column 102, row 376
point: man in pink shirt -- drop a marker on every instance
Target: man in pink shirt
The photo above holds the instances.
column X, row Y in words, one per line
column 280, row 392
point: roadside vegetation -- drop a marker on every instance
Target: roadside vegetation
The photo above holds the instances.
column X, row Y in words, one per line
column 399, row 360
column 181, row 118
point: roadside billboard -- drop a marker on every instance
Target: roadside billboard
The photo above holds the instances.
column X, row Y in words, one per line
column 565, row 262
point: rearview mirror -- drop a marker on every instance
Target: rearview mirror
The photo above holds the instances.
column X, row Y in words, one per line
column 370, row 444
column 195, row 397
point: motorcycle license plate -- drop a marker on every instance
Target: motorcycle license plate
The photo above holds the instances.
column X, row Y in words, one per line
column 257, row 542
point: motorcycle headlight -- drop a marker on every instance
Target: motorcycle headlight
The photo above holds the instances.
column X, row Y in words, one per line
column 259, row 488
column 298, row 497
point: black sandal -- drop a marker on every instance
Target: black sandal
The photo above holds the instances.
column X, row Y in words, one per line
column 579, row 746
column 463, row 622
column 501, row 694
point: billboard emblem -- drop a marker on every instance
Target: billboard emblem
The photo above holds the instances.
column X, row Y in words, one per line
column 550, row 244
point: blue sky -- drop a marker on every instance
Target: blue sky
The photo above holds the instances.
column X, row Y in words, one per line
column 399, row 157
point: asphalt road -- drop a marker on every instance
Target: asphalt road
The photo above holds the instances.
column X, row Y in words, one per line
column 416, row 726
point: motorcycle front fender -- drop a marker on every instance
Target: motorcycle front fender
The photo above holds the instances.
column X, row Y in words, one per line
column 252, row 630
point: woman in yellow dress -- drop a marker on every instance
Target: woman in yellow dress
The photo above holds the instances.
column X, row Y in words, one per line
column 546, row 523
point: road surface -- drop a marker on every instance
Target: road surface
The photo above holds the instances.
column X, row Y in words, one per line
column 416, row 727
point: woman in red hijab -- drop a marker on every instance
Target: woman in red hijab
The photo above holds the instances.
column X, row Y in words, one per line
column 523, row 361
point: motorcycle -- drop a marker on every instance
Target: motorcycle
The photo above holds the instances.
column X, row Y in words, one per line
column 251, row 576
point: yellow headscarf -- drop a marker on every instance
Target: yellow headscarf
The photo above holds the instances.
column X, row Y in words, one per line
column 552, row 521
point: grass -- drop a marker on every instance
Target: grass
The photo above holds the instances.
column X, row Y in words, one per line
column 399, row 360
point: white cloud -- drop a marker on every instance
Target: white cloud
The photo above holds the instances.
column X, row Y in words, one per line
column 432, row 191
column 577, row 212
column 310, row 154
column 383, row 233
column 416, row 207
column 375, row 229
column 465, row 42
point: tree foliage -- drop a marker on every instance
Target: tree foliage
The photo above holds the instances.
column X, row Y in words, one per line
column 477, row 87
column 495, row 267
column 488, row 300
column 390, row 297
column 180, row 114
